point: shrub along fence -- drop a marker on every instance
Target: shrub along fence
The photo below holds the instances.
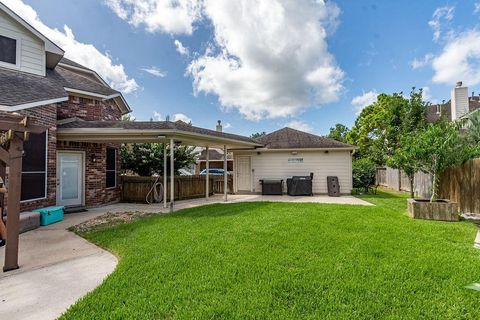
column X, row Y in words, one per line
column 460, row 184
column 135, row 188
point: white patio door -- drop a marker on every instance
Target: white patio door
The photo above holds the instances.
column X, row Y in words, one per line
column 244, row 178
column 70, row 178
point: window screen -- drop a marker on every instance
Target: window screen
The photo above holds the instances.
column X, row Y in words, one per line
column 34, row 167
column 111, row 169
column 8, row 50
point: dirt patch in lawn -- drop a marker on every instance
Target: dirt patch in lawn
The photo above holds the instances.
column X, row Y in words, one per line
column 108, row 220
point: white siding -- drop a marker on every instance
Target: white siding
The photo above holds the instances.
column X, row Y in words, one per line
column 275, row 165
column 31, row 50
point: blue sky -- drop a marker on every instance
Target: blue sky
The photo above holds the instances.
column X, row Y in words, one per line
column 370, row 47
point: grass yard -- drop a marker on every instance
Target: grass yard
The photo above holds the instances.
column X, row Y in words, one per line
column 287, row 261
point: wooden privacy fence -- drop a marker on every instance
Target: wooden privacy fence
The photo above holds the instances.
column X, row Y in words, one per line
column 135, row 189
column 460, row 184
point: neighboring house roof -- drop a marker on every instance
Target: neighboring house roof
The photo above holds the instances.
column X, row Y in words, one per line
column 288, row 138
column 145, row 126
column 213, row 155
column 437, row 111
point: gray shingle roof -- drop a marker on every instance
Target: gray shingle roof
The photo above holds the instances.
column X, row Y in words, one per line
column 151, row 125
column 288, row 138
column 18, row 88
column 73, row 64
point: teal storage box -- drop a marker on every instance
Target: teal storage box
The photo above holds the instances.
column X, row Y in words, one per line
column 50, row 215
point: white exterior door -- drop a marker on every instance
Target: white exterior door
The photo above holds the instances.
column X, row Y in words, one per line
column 70, row 178
column 244, row 178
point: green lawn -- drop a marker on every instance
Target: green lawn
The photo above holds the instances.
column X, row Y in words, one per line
column 287, row 261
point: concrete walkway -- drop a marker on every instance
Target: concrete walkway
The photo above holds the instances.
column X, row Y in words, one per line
column 57, row 267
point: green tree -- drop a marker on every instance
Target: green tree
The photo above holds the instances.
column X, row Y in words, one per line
column 363, row 173
column 339, row 132
column 438, row 147
column 474, row 127
column 146, row 159
column 257, row 135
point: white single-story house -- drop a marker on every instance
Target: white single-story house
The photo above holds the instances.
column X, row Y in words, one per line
column 288, row 152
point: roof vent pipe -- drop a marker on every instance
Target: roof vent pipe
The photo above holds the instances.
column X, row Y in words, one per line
column 219, row 126
column 459, row 84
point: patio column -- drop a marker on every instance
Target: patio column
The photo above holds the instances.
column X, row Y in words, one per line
column 172, row 186
column 225, row 173
column 165, row 174
column 207, row 166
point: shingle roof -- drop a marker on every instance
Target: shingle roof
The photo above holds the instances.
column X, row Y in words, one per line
column 288, row 138
column 446, row 109
column 213, row 155
column 17, row 88
column 73, row 64
column 151, row 125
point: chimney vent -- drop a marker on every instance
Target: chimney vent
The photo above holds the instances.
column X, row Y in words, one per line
column 459, row 84
column 219, row 126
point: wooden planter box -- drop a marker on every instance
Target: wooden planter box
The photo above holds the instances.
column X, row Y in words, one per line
column 443, row 210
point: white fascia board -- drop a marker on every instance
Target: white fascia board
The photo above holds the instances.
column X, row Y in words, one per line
column 31, row 104
column 84, row 71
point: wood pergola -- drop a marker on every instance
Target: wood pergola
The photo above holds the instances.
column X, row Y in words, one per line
column 14, row 131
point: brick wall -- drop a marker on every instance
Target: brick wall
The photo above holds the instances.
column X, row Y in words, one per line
column 88, row 109
column 96, row 192
column 95, row 176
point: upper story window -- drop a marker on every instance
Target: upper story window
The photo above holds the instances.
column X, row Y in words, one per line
column 8, row 50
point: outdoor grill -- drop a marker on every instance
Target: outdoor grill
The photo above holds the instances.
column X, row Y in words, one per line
column 272, row 186
column 300, row 185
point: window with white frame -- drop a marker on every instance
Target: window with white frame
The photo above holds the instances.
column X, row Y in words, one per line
column 111, row 170
column 34, row 168
column 8, row 50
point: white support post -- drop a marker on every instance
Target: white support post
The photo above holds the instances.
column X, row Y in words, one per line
column 225, row 173
column 165, row 175
column 207, row 167
column 172, row 186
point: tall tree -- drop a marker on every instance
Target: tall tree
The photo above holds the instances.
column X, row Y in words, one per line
column 438, row 147
column 257, row 135
column 146, row 159
column 339, row 132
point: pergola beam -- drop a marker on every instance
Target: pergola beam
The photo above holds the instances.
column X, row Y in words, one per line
column 225, row 173
column 172, row 177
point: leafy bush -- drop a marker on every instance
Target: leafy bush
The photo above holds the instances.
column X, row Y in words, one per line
column 363, row 173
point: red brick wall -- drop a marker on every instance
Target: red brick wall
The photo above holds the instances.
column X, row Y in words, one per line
column 88, row 109
column 96, row 192
column 95, row 176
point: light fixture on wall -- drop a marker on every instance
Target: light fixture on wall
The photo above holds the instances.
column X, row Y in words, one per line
column 93, row 158
column 326, row 151
column 259, row 153
column 294, row 153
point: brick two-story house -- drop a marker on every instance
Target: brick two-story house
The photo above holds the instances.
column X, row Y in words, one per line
column 37, row 81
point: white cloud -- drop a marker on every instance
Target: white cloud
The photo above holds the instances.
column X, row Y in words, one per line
column 440, row 15
column 364, row 100
column 459, row 60
column 300, row 125
column 427, row 96
column 268, row 58
column 420, row 63
column 227, row 125
column 155, row 71
column 169, row 16
column 175, row 117
column 82, row 53
column 180, row 48
column 476, row 7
